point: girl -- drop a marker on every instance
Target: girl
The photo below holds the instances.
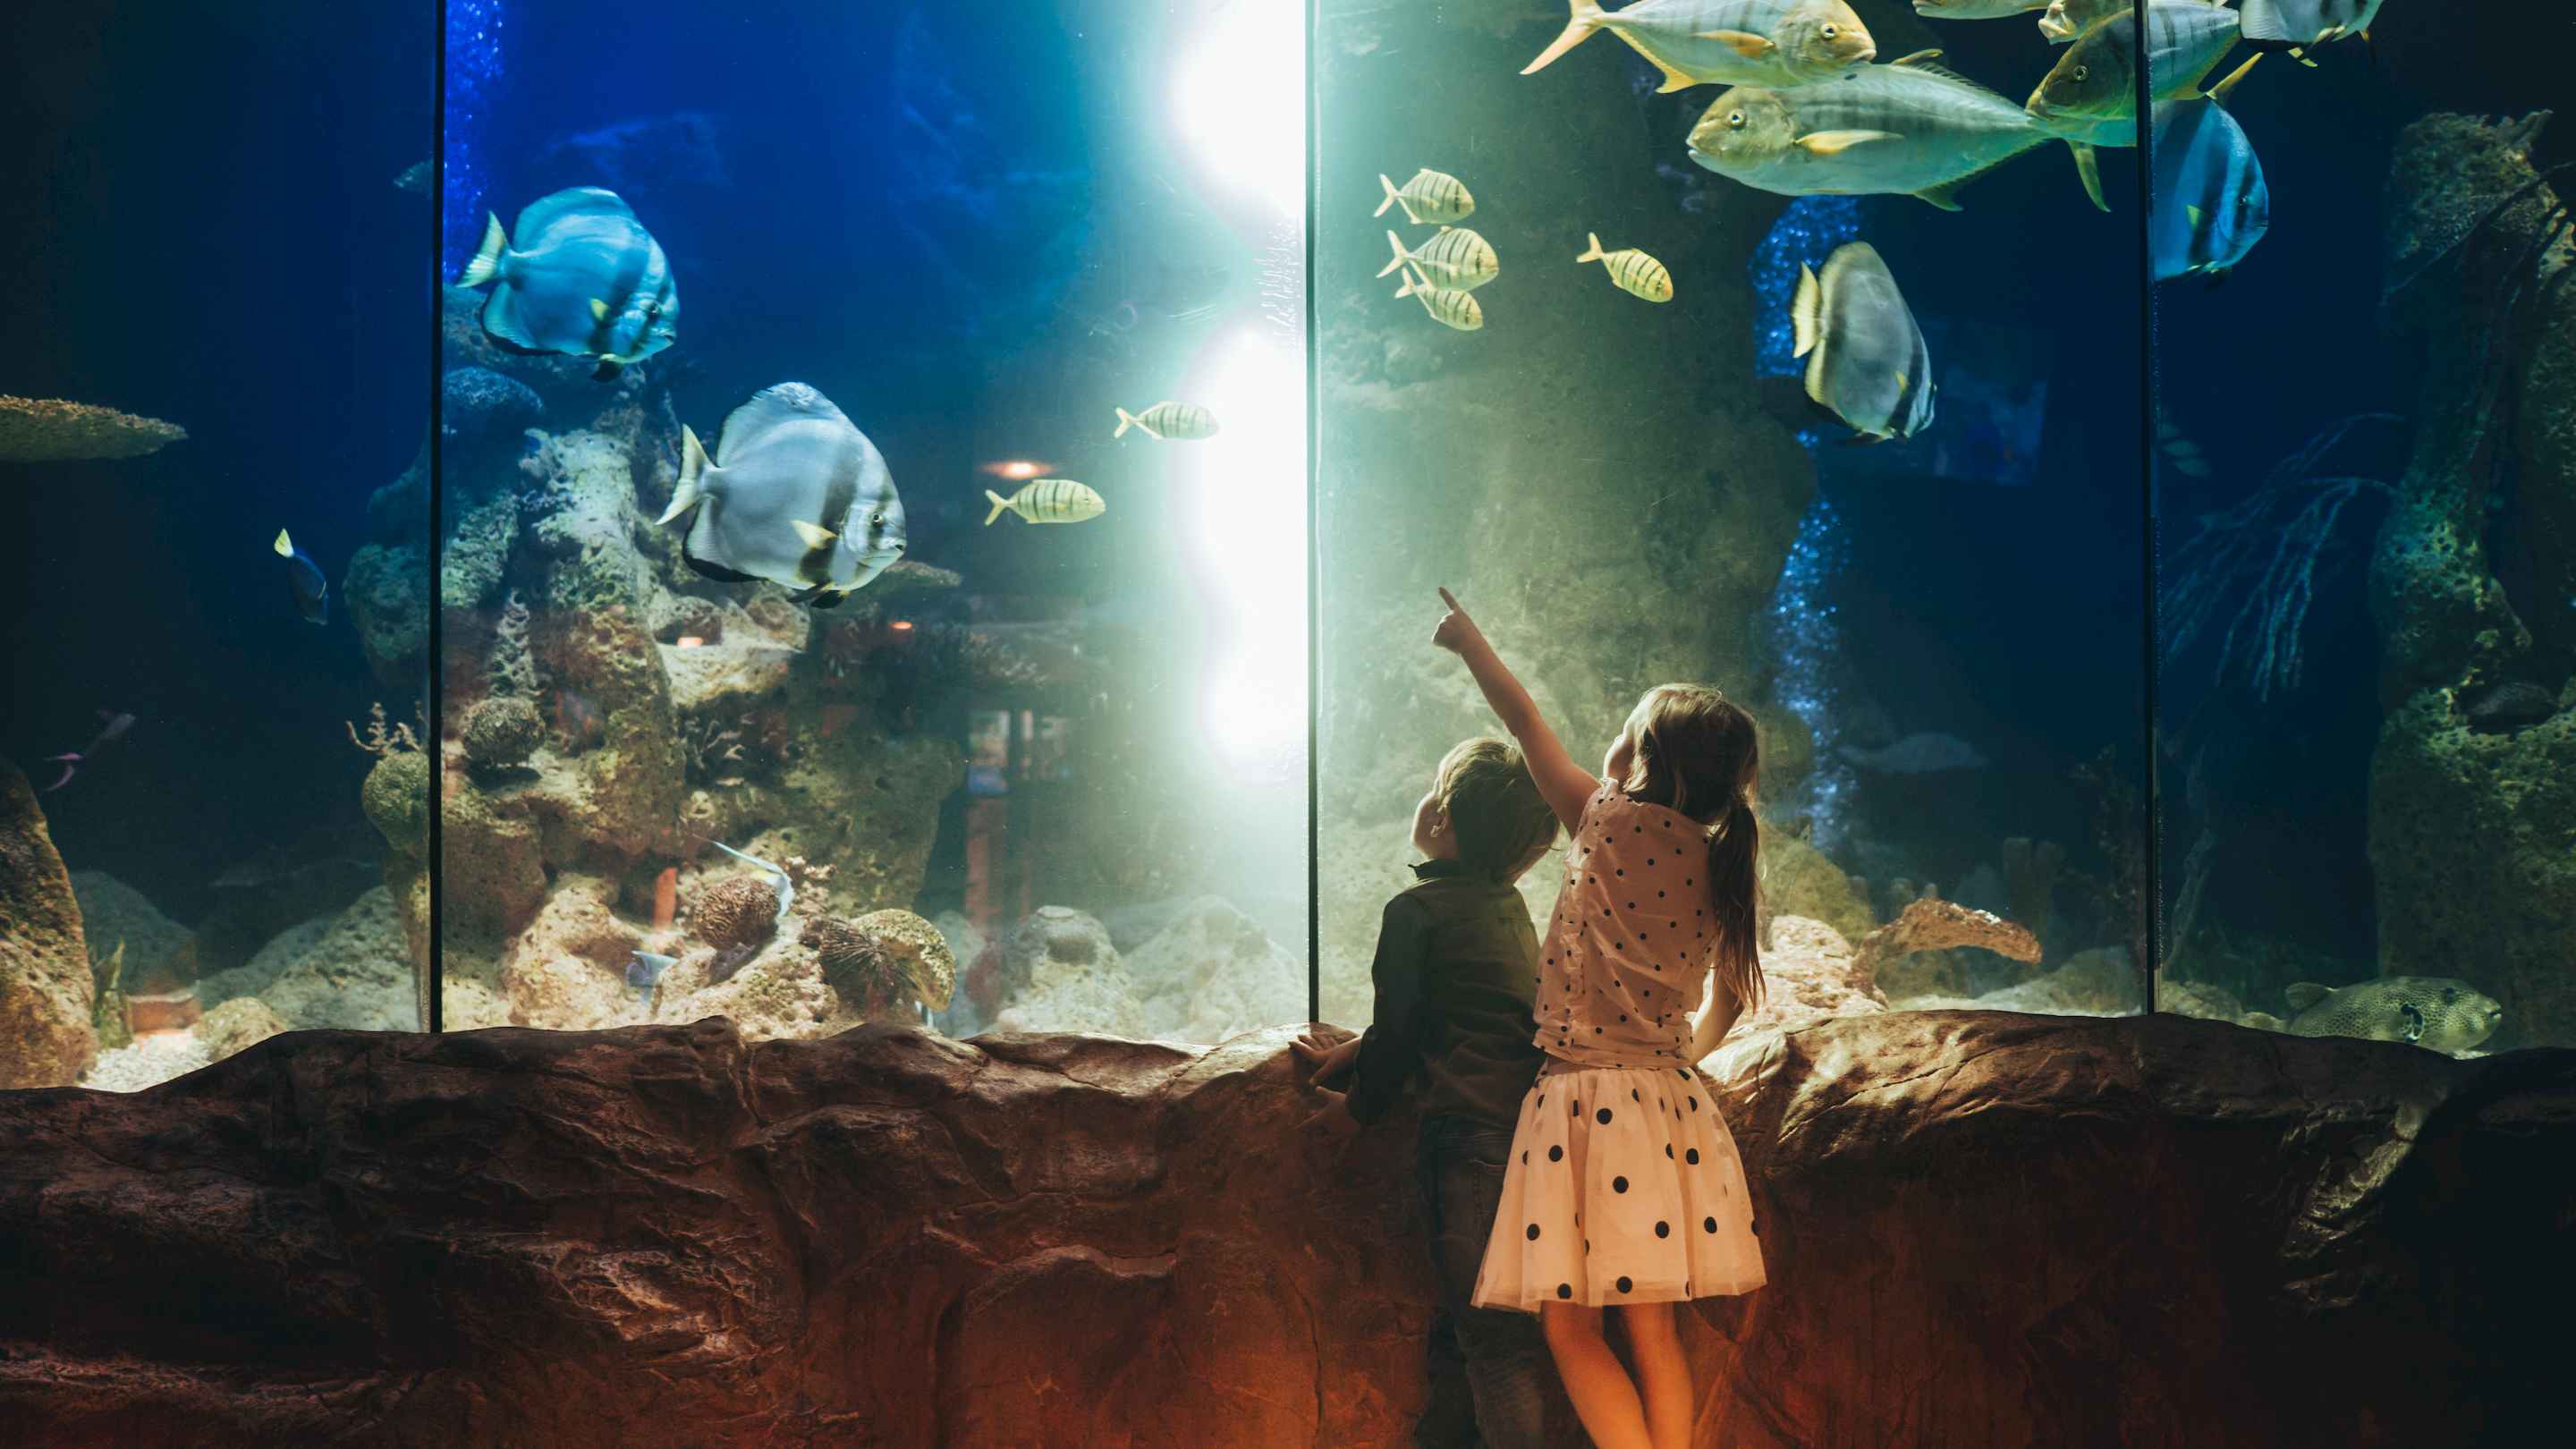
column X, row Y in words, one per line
column 1623, row 1189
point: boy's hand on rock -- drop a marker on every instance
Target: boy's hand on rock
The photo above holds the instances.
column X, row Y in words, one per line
column 1334, row 1119
column 1325, row 1059
column 1455, row 631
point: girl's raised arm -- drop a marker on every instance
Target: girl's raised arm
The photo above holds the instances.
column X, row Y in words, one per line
column 1564, row 784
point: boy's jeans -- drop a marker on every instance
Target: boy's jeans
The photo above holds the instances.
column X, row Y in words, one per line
column 1460, row 1164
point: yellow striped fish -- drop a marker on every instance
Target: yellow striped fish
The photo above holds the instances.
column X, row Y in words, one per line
column 1456, row 258
column 1176, row 422
column 1048, row 500
column 1631, row 270
column 1431, row 196
column 1447, row 305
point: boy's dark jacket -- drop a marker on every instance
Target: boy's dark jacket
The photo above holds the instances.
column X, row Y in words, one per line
column 1456, row 975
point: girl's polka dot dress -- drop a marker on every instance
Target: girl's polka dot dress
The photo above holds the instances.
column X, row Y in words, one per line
column 1623, row 1185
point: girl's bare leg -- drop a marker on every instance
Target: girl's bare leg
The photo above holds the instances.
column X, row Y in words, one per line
column 1663, row 1375
column 1604, row 1398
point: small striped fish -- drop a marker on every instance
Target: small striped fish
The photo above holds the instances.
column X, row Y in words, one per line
column 1431, row 196
column 1447, row 305
column 1175, row 422
column 1631, row 270
column 1456, row 258
column 1048, row 500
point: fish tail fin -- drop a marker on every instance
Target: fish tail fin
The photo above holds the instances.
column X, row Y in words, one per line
column 1587, row 18
column 691, row 490
column 1388, row 182
column 487, row 258
column 999, row 503
column 1593, row 253
column 1408, row 289
column 1807, row 311
column 1396, row 243
column 1128, row 420
column 285, row 546
column 2088, row 169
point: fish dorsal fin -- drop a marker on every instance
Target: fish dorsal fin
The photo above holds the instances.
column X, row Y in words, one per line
column 1807, row 311
column 1927, row 62
column 769, row 409
column 547, row 211
column 2304, row 994
column 1835, row 143
column 813, row 535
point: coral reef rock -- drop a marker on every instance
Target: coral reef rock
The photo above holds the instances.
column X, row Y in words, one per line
column 1980, row 1229
column 112, row 911
column 238, row 1023
column 46, row 989
column 1058, row 941
column 740, row 910
column 501, row 732
column 46, row 430
column 1811, row 973
column 883, row 961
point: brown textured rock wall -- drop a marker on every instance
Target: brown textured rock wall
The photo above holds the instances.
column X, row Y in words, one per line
column 1984, row 1229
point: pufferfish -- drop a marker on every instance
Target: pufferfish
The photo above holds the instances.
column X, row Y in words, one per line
column 2436, row 1013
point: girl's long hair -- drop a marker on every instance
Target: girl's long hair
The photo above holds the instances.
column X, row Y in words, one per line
column 1697, row 752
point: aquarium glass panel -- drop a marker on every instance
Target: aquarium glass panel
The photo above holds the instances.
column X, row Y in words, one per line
column 1902, row 525
column 2367, row 500
column 212, row 406
column 874, row 457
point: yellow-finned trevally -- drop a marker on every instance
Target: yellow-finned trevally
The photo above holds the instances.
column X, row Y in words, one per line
column 1866, row 358
column 2437, row 1013
column 1456, row 258
column 795, row 495
column 1431, row 196
column 2297, row 24
column 1176, row 422
column 2210, row 202
column 1048, row 500
column 2067, row 19
column 1631, row 270
column 1976, row 9
column 1907, row 128
column 1448, row 306
column 1727, row 42
column 585, row 279
column 2093, row 88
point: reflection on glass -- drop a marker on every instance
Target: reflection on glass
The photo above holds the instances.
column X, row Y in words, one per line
column 1872, row 469
column 206, row 445
column 876, row 490
column 2368, row 599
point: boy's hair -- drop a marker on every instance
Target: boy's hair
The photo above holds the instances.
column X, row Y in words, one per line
column 1502, row 822
column 1696, row 751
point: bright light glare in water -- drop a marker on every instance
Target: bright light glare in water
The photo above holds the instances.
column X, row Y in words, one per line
column 1240, row 498
column 1238, row 101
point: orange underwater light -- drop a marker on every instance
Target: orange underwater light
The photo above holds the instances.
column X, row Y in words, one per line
column 1014, row 468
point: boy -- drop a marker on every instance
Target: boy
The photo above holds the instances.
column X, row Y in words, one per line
column 1455, row 971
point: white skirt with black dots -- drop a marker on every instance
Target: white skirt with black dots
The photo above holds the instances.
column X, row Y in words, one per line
column 1623, row 1187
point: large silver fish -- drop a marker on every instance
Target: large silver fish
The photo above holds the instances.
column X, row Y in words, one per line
column 795, row 495
column 2211, row 205
column 2299, row 23
column 1726, row 42
column 1866, row 358
column 2093, row 92
column 1976, row 9
column 585, row 279
column 2436, row 1013
column 1908, row 128
column 2067, row 19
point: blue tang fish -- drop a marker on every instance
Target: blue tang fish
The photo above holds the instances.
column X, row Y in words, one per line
column 586, row 280
column 2211, row 205
column 304, row 580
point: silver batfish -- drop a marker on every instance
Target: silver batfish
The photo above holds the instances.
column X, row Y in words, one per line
column 2211, row 203
column 1908, row 128
column 795, row 495
column 1866, row 358
column 585, row 279
column 1726, row 42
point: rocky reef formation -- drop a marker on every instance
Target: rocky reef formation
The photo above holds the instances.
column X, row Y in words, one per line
column 46, row 993
column 2473, row 784
column 1981, row 1229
